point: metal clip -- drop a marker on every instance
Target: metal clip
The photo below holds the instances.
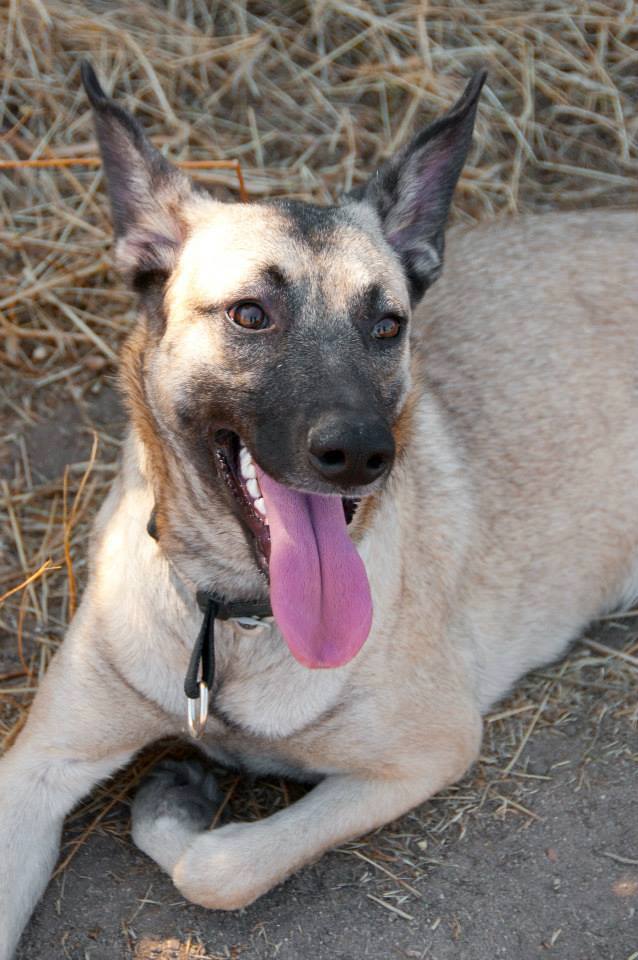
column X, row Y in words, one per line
column 197, row 718
column 248, row 623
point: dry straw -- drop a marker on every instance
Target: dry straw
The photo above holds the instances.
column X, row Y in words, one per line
column 307, row 97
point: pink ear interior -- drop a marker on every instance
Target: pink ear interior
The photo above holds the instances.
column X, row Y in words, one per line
column 145, row 190
column 421, row 192
column 413, row 191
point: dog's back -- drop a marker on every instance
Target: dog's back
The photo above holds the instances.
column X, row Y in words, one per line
column 529, row 343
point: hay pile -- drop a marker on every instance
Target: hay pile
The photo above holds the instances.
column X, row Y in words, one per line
column 309, row 97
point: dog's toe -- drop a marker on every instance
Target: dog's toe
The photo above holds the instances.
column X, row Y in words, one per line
column 181, row 791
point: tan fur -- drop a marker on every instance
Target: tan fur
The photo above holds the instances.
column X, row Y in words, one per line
column 132, row 361
column 509, row 521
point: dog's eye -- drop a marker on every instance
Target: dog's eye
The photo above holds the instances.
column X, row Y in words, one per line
column 386, row 329
column 249, row 315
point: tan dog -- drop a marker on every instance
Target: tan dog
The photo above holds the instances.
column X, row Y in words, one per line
column 488, row 437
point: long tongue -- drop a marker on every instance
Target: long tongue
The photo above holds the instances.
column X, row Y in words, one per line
column 319, row 589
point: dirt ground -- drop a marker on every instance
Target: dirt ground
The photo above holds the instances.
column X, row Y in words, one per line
column 542, row 861
column 562, row 883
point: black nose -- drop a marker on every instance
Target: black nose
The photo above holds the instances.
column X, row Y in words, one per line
column 350, row 449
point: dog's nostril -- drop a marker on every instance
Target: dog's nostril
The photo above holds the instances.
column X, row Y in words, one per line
column 376, row 461
column 333, row 458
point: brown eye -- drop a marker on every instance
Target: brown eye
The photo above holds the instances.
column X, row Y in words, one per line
column 386, row 329
column 250, row 316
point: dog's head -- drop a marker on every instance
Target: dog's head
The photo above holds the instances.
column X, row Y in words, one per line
column 275, row 358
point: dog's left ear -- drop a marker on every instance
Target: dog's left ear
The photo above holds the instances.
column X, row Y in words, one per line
column 145, row 190
column 412, row 191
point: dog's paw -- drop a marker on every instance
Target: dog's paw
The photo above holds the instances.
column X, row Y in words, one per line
column 177, row 801
column 183, row 790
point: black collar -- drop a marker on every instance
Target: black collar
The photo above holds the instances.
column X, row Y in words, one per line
column 235, row 609
column 203, row 655
column 214, row 608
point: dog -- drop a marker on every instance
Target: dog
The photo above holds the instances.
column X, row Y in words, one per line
column 336, row 498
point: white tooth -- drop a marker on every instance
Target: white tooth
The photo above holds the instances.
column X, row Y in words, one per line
column 253, row 489
column 244, row 456
column 260, row 506
column 248, row 471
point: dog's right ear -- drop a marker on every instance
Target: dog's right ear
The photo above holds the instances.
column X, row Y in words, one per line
column 145, row 190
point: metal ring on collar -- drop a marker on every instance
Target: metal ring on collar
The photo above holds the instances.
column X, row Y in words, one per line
column 248, row 623
column 197, row 718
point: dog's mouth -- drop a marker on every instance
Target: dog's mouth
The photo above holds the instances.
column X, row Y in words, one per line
column 319, row 589
column 239, row 473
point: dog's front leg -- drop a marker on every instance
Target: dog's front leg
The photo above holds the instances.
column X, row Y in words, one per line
column 83, row 725
column 231, row 866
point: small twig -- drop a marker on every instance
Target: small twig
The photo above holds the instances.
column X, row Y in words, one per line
column 508, row 802
column 610, row 652
column 46, row 566
column 504, row 714
column 219, row 165
column 621, row 615
column 22, row 611
column 224, row 803
column 373, row 863
column 389, row 906
column 13, row 676
column 625, row 860
column 61, row 162
column 530, row 729
column 69, row 519
column 19, row 541
column 68, row 559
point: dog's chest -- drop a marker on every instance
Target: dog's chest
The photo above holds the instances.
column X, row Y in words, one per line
column 261, row 689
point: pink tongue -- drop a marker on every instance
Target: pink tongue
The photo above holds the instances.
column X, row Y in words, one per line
column 319, row 589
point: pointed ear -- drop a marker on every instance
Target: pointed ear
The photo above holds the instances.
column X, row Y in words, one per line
column 412, row 192
column 145, row 190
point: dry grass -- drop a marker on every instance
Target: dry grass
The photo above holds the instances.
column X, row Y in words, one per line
column 308, row 97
